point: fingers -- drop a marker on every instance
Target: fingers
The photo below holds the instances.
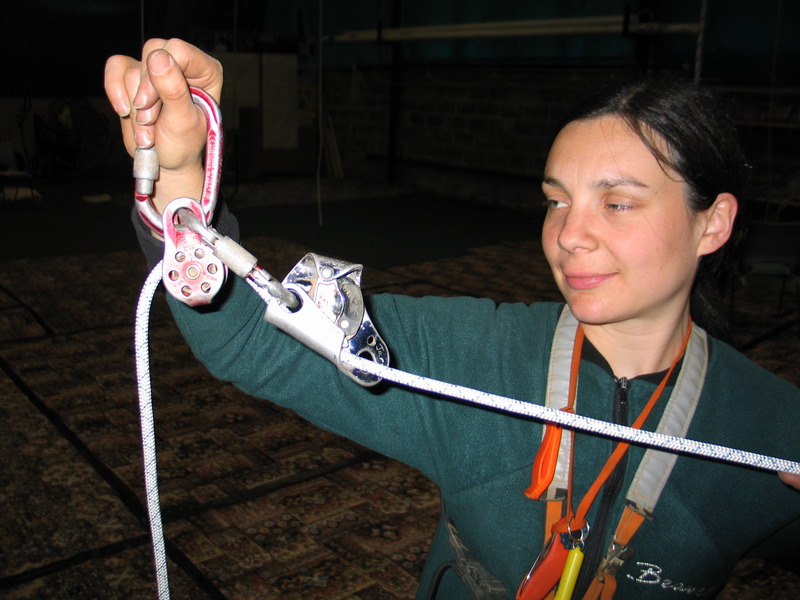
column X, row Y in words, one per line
column 168, row 87
column 195, row 67
column 122, row 76
column 170, row 103
column 199, row 69
column 116, row 83
column 792, row 479
column 153, row 99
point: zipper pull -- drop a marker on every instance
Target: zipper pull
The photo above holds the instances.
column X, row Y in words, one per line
column 621, row 402
column 622, row 385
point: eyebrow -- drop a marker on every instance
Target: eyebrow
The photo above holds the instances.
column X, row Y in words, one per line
column 601, row 184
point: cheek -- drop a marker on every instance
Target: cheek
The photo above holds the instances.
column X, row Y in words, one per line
column 654, row 260
column 549, row 240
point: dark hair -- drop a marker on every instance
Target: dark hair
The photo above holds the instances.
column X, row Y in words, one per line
column 703, row 147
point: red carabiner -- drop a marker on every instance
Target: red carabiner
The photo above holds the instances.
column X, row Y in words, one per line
column 213, row 166
column 546, row 570
column 191, row 272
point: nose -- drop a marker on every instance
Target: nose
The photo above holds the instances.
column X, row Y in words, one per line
column 575, row 229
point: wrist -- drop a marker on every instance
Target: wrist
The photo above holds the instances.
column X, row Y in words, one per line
column 178, row 183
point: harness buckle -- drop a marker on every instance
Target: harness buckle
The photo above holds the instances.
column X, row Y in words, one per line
column 618, row 554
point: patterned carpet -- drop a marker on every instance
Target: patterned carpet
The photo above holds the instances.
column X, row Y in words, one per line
column 257, row 503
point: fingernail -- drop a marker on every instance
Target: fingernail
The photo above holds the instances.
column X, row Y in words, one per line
column 160, row 61
column 143, row 139
column 138, row 101
column 121, row 108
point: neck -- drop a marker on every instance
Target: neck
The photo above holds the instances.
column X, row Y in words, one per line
column 637, row 349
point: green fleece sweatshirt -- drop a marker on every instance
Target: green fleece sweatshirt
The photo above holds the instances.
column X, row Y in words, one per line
column 709, row 516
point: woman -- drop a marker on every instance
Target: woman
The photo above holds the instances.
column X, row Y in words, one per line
column 641, row 192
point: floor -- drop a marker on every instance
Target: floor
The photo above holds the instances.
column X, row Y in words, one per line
column 257, row 503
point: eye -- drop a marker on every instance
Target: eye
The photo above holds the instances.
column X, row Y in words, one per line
column 619, row 207
column 551, row 203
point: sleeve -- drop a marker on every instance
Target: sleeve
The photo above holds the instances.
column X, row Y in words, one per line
column 466, row 341
column 455, row 340
column 153, row 248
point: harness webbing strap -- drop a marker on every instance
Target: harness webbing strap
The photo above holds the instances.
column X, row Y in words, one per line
column 655, row 467
column 557, row 398
column 675, row 420
column 604, row 585
column 482, row 585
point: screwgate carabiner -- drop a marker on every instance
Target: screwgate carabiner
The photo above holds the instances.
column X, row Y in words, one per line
column 320, row 301
column 191, row 273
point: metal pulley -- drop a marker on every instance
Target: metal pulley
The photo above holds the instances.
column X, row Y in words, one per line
column 319, row 302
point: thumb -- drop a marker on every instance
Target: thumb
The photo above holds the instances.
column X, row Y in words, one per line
column 171, row 88
column 178, row 125
column 793, row 479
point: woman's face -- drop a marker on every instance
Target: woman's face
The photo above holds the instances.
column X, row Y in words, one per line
column 619, row 236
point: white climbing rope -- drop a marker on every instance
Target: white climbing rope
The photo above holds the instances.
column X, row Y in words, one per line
column 572, row 420
column 418, row 382
column 142, row 356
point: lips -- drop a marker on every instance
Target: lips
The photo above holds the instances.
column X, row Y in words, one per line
column 586, row 281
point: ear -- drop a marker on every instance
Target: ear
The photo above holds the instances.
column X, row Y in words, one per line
column 718, row 223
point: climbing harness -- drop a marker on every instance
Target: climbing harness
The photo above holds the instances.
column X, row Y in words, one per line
column 553, row 481
column 320, row 303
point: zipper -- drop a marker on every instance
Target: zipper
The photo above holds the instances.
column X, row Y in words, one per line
column 593, row 551
column 621, row 401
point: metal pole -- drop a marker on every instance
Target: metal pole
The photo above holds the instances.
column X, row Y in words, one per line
column 698, row 55
column 529, row 28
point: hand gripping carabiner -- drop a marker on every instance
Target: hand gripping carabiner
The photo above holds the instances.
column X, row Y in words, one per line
column 191, row 273
column 319, row 302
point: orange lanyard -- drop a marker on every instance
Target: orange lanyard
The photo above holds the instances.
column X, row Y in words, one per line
column 551, row 562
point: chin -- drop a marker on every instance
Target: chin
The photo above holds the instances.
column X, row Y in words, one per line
column 592, row 311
